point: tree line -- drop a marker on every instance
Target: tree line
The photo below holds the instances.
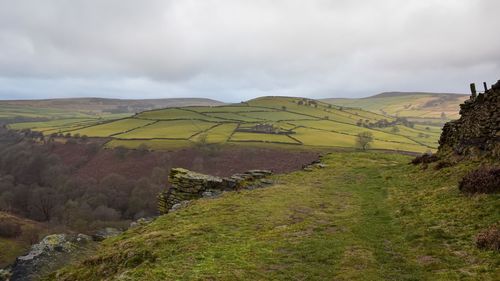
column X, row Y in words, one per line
column 35, row 183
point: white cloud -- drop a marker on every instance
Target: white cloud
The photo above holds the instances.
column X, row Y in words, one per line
column 234, row 50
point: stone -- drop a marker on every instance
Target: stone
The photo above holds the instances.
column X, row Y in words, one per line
column 475, row 132
column 141, row 222
column 49, row 254
column 179, row 206
column 5, row 274
column 211, row 193
column 105, row 233
column 186, row 185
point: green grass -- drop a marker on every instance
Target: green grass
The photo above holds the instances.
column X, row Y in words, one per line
column 427, row 106
column 324, row 125
column 351, row 130
column 178, row 129
column 427, row 137
column 157, row 144
column 111, row 128
column 277, row 116
column 174, row 113
column 44, row 125
column 220, row 133
column 233, row 116
column 11, row 248
column 367, row 216
column 243, row 136
column 234, row 108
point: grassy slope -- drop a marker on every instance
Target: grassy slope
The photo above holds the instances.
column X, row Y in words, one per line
column 368, row 216
column 89, row 106
column 416, row 105
column 10, row 248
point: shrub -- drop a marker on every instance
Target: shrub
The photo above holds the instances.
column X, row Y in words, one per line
column 425, row 159
column 443, row 164
column 489, row 239
column 30, row 235
column 481, row 180
column 9, row 229
column 120, row 151
column 364, row 139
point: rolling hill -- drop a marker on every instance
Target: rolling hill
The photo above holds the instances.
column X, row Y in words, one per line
column 279, row 120
column 90, row 107
column 417, row 106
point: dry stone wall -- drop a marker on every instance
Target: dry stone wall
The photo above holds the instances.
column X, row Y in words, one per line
column 187, row 185
column 478, row 129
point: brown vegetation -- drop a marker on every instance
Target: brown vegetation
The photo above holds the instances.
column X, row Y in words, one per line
column 489, row 239
column 83, row 186
column 481, row 180
column 425, row 158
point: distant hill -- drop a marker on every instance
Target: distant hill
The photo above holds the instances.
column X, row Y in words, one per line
column 417, row 105
column 110, row 105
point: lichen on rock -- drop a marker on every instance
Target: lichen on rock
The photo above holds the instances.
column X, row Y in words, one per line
column 187, row 185
column 477, row 132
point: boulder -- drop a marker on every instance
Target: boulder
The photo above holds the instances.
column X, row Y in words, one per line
column 47, row 255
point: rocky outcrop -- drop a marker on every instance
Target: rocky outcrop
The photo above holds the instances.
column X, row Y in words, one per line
column 105, row 233
column 187, row 185
column 50, row 253
column 477, row 132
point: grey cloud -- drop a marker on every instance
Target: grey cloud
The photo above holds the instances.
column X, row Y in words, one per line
column 234, row 50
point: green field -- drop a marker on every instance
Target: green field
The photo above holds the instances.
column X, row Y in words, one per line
column 112, row 128
column 366, row 216
column 249, row 137
column 420, row 107
column 178, row 129
column 314, row 123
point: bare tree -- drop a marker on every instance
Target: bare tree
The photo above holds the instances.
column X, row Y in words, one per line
column 364, row 139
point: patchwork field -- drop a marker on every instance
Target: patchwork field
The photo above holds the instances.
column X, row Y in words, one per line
column 280, row 120
column 422, row 107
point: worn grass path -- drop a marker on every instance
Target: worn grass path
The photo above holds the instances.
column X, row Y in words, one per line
column 367, row 216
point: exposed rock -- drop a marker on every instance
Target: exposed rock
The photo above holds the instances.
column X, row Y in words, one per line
column 5, row 274
column 106, row 233
column 187, row 185
column 478, row 129
column 179, row 205
column 211, row 193
column 47, row 255
column 140, row 222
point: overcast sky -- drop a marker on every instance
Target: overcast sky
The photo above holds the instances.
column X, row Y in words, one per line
column 233, row 50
